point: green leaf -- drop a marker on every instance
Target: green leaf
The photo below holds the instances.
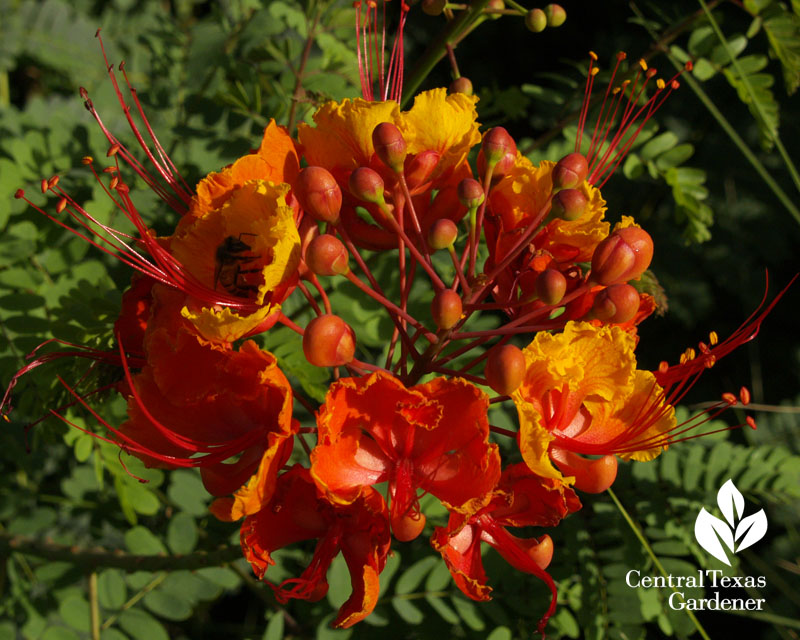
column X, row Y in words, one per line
column 412, row 577
column 658, row 145
column 441, row 607
column 408, row 611
column 140, row 625
column 469, row 613
column 186, row 491
column 111, row 589
column 75, row 612
column 274, row 630
column 168, row 604
column 783, row 32
column 142, row 541
column 182, row 533
column 754, row 90
column 59, row 633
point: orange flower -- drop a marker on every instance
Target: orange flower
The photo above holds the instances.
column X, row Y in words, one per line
column 582, row 393
column 439, row 130
column 360, row 530
column 275, row 161
column 523, row 195
column 432, row 437
column 248, row 248
column 196, row 404
column 521, row 499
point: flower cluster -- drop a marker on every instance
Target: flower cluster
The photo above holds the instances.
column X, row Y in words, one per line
column 364, row 179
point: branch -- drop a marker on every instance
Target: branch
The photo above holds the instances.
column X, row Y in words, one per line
column 98, row 557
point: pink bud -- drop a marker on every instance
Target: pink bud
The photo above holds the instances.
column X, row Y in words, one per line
column 505, row 369
column 622, row 256
column 461, row 85
column 551, row 285
column 442, row 234
column 569, row 204
column 446, row 309
column 390, row 146
column 497, row 143
column 319, row 194
column 328, row 341
column 366, row 184
column 616, row 304
column 470, row 193
column 570, row 171
column 327, row 256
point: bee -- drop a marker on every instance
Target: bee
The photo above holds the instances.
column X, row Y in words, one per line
column 231, row 259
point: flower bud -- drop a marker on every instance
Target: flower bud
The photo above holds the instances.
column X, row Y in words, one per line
column 328, row 341
column 495, row 6
column 551, row 285
column 327, row 256
column 536, row 20
column 496, row 144
column 408, row 526
column 568, row 204
column 319, row 194
column 542, row 552
column 570, row 171
column 366, row 184
column 420, row 167
column 616, row 304
column 505, row 369
column 591, row 475
column 622, row 256
column 461, row 85
column 433, row 7
column 390, row 146
column 442, row 234
column 556, row 16
column 446, row 309
column 470, row 193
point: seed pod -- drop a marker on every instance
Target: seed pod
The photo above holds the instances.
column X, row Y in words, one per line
column 319, row 194
column 446, row 309
column 390, row 146
column 505, row 369
column 570, row 171
column 328, row 341
column 327, row 256
column 622, row 256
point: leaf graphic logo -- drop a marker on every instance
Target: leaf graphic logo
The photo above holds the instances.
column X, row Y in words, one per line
column 714, row 534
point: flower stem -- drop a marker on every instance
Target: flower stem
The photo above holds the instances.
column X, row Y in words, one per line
column 637, row 532
column 438, row 48
column 772, row 131
column 96, row 557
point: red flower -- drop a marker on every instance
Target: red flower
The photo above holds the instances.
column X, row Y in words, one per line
column 360, row 530
column 432, row 437
column 520, row 499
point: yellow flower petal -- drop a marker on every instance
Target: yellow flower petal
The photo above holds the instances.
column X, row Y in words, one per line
column 342, row 138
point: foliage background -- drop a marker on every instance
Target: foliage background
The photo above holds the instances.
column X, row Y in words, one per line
column 210, row 75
